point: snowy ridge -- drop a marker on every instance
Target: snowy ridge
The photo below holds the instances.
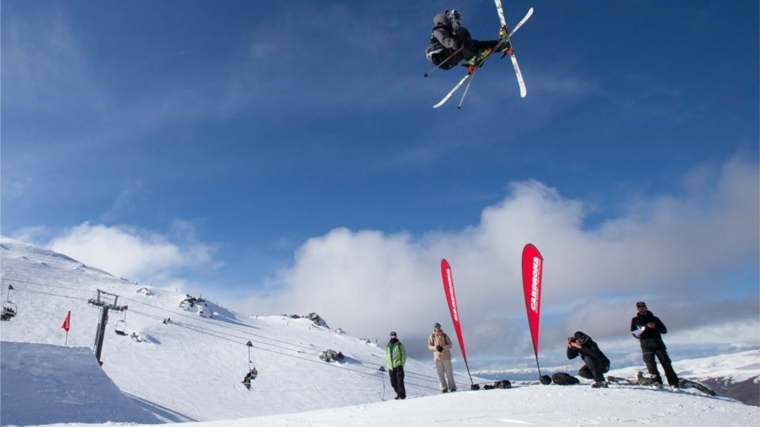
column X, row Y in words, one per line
column 190, row 368
column 203, row 360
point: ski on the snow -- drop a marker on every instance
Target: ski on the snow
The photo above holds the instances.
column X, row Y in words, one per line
column 683, row 383
column 473, row 69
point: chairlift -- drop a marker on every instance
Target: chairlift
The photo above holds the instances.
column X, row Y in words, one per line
column 121, row 326
column 9, row 307
column 252, row 371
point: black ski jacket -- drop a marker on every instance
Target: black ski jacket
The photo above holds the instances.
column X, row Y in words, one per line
column 651, row 338
column 589, row 349
column 445, row 37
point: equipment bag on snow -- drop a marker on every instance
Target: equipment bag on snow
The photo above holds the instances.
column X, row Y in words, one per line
column 563, row 378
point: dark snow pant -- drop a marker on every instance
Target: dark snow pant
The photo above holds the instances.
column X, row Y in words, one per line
column 662, row 355
column 475, row 46
column 397, row 381
column 593, row 370
column 467, row 52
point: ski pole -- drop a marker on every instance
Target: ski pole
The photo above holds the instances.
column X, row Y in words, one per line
column 466, row 88
column 443, row 62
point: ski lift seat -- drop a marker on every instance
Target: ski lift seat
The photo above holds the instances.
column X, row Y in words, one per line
column 9, row 309
column 121, row 328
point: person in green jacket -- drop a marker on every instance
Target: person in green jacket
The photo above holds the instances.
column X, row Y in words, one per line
column 395, row 358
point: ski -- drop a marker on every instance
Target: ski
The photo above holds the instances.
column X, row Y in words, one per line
column 683, row 383
column 518, row 74
column 620, row 381
column 512, row 57
column 451, row 92
column 472, row 70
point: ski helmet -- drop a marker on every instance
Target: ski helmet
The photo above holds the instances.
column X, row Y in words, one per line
column 455, row 17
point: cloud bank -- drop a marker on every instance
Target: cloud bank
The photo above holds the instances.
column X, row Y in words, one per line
column 693, row 257
column 135, row 254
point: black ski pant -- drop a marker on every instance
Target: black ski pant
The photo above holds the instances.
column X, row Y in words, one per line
column 593, row 370
column 473, row 47
column 662, row 354
column 397, row 381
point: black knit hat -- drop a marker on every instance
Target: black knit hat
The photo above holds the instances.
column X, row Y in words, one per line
column 393, row 334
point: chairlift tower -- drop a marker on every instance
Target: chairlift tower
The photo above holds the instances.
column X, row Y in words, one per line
column 105, row 301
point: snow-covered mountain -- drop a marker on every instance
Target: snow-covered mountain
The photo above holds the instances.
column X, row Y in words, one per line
column 201, row 350
column 182, row 359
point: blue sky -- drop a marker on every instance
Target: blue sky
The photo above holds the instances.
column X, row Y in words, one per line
column 215, row 145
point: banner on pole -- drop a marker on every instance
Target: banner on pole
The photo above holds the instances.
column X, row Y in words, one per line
column 532, row 274
column 451, row 299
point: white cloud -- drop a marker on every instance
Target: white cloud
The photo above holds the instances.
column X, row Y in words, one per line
column 134, row 254
column 33, row 234
column 658, row 248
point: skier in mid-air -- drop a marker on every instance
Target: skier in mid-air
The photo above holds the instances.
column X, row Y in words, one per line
column 451, row 43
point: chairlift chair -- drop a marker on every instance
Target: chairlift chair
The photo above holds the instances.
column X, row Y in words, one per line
column 120, row 328
column 9, row 307
column 252, row 371
column 9, row 310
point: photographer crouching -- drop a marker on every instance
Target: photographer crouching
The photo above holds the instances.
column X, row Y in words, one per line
column 596, row 362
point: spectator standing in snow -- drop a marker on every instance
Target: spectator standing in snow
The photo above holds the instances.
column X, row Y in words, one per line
column 395, row 358
column 648, row 329
column 440, row 344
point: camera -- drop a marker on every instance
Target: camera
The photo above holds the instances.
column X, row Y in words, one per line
column 571, row 339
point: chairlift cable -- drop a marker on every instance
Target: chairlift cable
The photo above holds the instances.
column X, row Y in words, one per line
column 215, row 334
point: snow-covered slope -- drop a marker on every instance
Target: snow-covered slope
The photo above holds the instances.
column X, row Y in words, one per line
column 193, row 364
column 66, row 385
column 190, row 368
column 523, row 405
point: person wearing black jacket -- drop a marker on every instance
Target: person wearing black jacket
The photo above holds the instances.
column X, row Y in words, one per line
column 451, row 43
column 648, row 329
column 596, row 362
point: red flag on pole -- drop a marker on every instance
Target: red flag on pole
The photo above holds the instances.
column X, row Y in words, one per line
column 67, row 322
column 532, row 273
column 451, row 298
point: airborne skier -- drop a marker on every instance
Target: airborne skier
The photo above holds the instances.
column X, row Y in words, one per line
column 451, row 43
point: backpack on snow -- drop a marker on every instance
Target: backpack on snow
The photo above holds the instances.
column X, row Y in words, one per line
column 563, row 378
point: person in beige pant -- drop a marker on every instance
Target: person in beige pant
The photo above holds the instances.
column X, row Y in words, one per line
column 440, row 344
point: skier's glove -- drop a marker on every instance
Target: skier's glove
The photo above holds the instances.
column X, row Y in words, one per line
column 439, row 348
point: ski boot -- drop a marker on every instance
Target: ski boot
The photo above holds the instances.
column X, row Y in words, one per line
column 599, row 384
column 477, row 60
column 506, row 49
